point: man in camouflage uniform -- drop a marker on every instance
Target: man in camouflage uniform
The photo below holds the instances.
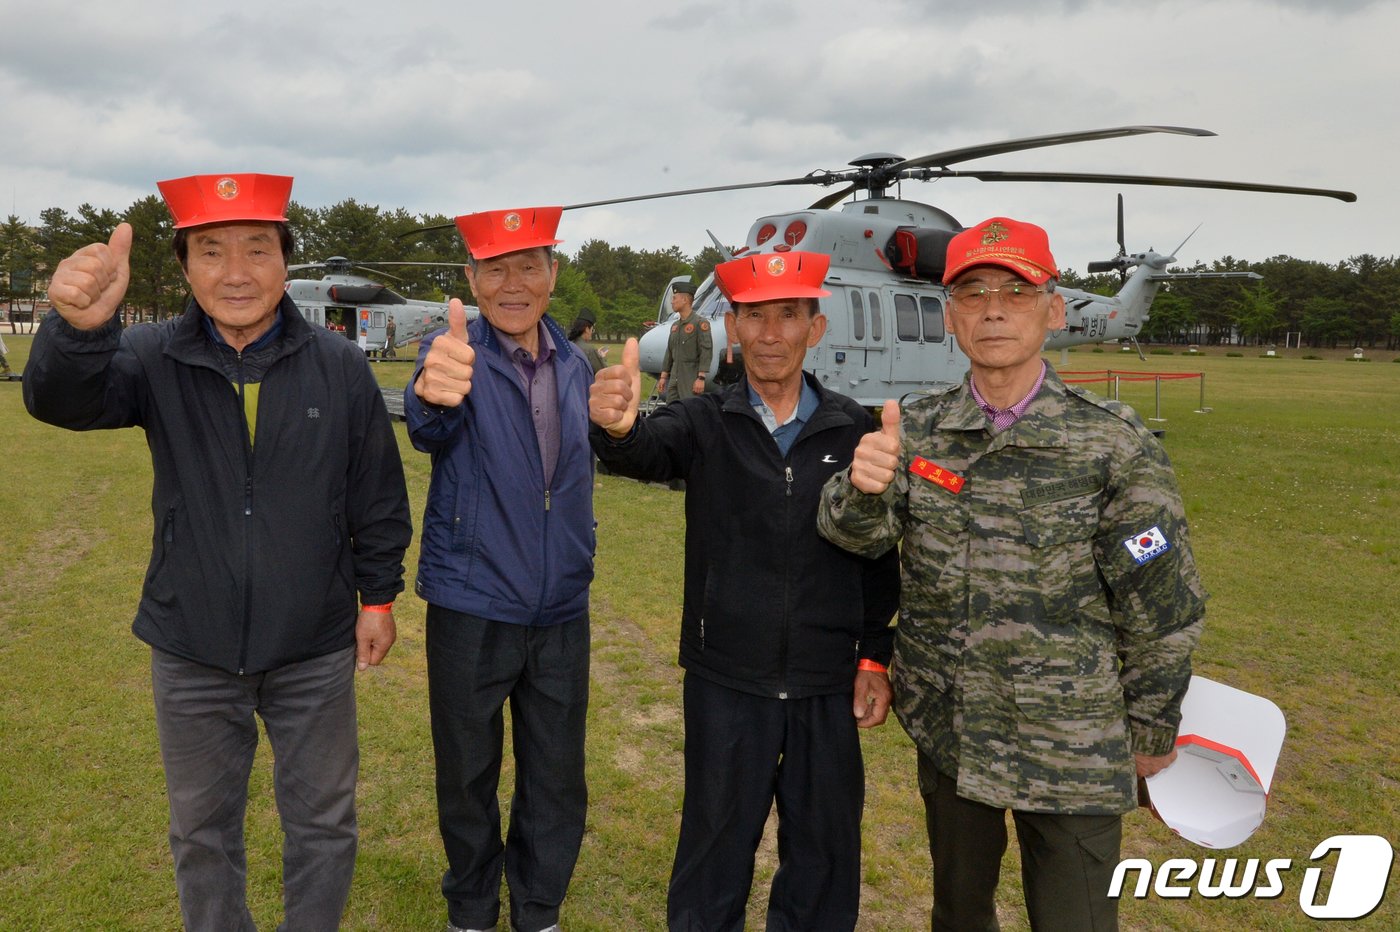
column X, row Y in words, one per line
column 1050, row 600
column 688, row 350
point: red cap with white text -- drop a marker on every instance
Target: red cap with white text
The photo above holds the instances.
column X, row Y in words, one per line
column 1024, row 248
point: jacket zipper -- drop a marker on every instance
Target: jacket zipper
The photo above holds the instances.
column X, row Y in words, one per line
column 787, row 574
column 247, row 521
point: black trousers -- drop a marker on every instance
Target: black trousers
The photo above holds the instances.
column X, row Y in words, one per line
column 742, row 752
column 475, row 667
column 1067, row 862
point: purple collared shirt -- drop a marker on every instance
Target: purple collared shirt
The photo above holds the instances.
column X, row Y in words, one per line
column 1003, row 418
column 541, row 391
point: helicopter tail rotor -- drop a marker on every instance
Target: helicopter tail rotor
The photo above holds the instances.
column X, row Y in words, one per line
column 1119, row 263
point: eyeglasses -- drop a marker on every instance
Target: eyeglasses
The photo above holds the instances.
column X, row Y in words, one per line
column 973, row 298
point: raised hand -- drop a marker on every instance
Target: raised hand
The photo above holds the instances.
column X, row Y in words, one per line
column 613, row 397
column 877, row 455
column 89, row 285
column 446, row 378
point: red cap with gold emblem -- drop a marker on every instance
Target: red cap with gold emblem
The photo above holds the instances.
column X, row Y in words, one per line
column 201, row 199
column 497, row 232
column 1021, row 247
column 772, row 276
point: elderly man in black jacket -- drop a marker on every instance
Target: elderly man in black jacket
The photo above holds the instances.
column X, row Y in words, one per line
column 784, row 638
column 278, row 498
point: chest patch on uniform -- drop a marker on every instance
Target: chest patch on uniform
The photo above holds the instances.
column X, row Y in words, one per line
column 704, row 325
column 936, row 474
column 1060, row 490
column 1148, row 545
column 689, row 328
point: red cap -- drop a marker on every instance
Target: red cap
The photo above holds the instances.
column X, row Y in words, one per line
column 497, row 232
column 772, row 276
column 1021, row 247
column 200, row 199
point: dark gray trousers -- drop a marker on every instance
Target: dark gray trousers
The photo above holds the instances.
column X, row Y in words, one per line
column 208, row 734
column 1067, row 862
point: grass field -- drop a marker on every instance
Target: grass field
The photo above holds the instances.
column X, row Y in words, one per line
column 1292, row 485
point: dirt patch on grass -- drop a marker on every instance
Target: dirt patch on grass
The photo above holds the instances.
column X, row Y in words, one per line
column 34, row 572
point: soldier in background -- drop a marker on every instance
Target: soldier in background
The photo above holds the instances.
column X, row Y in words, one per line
column 688, row 350
column 1050, row 599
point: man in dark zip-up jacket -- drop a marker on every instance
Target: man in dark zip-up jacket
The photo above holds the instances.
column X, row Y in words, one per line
column 278, row 497
column 784, row 639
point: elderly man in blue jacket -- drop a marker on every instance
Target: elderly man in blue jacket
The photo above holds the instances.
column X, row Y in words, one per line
column 507, row 558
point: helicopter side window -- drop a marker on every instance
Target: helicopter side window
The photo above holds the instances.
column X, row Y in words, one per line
column 379, row 318
column 933, row 319
column 872, row 301
column 857, row 317
column 906, row 318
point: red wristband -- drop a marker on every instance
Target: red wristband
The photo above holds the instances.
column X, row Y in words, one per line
column 872, row 666
column 386, row 608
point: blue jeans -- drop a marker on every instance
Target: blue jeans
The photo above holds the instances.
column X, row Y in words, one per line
column 208, row 734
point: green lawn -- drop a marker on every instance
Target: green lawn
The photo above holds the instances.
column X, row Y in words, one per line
column 1292, row 484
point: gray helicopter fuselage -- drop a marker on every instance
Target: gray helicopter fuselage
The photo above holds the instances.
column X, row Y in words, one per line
column 886, row 332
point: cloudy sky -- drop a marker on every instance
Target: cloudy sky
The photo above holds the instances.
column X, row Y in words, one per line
column 451, row 107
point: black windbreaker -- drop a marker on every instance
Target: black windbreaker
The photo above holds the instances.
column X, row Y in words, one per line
column 258, row 549
column 770, row 608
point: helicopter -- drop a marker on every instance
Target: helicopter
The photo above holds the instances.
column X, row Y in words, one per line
column 885, row 335
column 361, row 308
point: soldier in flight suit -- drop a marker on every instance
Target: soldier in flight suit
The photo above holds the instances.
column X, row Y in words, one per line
column 688, row 350
column 1050, row 599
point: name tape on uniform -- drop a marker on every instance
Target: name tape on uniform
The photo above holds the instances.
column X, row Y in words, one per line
column 937, row 475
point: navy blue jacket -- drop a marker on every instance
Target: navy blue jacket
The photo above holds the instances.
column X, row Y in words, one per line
column 770, row 608
column 258, row 549
column 497, row 543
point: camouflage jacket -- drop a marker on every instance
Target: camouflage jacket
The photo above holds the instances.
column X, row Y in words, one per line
column 1050, row 599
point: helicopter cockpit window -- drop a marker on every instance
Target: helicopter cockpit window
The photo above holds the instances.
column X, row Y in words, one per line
column 933, row 319
column 857, row 317
column 906, row 318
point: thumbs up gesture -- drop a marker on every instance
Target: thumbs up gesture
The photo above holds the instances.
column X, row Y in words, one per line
column 877, row 455
column 446, row 378
column 613, row 397
column 87, row 287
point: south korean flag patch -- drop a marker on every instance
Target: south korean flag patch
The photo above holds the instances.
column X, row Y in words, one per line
column 1148, row 545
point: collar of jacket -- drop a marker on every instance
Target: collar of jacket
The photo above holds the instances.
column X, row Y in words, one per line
column 1042, row 424
column 827, row 414
column 190, row 343
column 482, row 334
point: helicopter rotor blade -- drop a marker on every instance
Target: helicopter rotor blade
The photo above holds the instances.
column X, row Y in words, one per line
column 821, row 177
column 828, row 201
column 1037, row 142
column 816, row 177
column 369, row 271
column 1122, row 247
column 1094, row 178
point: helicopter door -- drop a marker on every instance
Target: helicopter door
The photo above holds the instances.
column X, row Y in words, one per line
column 855, row 336
column 918, row 330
